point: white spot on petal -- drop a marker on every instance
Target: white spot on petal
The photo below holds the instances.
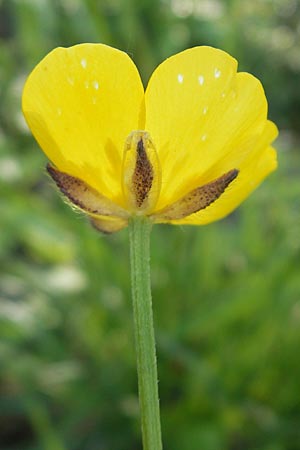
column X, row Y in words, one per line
column 217, row 73
column 180, row 78
column 203, row 137
column 70, row 81
column 201, row 80
column 83, row 63
column 205, row 109
column 223, row 95
column 96, row 84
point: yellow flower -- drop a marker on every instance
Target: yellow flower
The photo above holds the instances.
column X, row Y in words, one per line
column 187, row 151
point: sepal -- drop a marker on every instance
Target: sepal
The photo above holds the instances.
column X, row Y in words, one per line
column 197, row 199
column 141, row 173
column 84, row 196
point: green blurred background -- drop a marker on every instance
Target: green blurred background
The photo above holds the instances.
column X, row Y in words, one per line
column 226, row 296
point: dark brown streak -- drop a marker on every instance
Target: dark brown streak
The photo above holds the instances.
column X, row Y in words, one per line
column 143, row 175
column 82, row 195
column 199, row 198
column 65, row 183
column 210, row 192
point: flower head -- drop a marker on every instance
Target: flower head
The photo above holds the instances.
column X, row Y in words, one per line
column 188, row 150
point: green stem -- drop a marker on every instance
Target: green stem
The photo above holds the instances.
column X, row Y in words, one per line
column 139, row 233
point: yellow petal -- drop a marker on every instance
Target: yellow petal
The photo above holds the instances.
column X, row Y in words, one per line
column 259, row 163
column 81, row 103
column 204, row 118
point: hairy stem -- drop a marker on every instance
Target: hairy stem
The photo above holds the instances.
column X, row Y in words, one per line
column 139, row 232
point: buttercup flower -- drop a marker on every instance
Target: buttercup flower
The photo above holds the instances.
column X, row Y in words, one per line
column 188, row 150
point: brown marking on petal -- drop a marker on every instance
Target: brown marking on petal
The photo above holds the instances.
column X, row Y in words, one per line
column 143, row 175
column 197, row 199
column 108, row 226
column 84, row 196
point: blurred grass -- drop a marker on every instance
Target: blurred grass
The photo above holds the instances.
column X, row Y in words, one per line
column 226, row 296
